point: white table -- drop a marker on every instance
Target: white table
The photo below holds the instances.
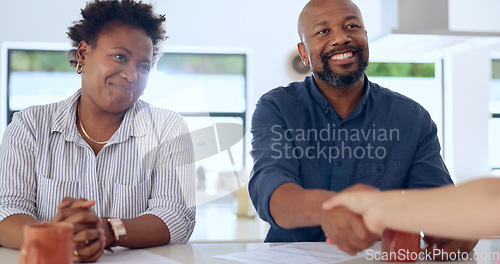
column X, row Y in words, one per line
column 217, row 224
column 203, row 253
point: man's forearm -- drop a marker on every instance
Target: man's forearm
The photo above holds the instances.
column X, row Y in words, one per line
column 292, row 206
column 11, row 230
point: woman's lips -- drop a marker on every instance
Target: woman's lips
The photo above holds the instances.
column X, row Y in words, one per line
column 124, row 88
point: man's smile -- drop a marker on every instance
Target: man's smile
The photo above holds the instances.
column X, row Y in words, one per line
column 342, row 56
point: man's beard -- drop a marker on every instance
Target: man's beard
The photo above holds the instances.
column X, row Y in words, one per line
column 339, row 80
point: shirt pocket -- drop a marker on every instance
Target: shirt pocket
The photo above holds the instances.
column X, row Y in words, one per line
column 50, row 192
column 131, row 200
column 382, row 175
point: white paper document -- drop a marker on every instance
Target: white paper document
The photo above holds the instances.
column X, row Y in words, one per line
column 134, row 256
column 311, row 253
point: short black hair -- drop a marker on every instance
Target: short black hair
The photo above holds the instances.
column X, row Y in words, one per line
column 102, row 13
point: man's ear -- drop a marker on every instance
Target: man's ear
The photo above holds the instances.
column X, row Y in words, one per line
column 303, row 53
column 81, row 52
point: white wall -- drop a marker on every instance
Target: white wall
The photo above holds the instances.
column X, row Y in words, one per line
column 467, row 77
column 474, row 16
column 37, row 21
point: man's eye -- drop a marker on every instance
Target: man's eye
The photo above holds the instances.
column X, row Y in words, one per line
column 353, row 26
column 323, row 31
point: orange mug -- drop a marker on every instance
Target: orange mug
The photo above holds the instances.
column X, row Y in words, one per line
column 49, row 243
column 400, row 246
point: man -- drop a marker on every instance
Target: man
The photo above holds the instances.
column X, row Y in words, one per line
column 336, row 131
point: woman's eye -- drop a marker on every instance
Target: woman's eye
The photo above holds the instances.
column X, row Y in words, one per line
column 146, row 68
column 120, row 57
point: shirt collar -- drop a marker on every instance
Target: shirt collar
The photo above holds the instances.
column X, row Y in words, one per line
column 325, row 105
column 316, row 94
column 362, row 101
column 64, row 120
column 134, row 123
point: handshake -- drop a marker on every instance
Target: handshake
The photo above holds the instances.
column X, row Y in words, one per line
column 355, row 218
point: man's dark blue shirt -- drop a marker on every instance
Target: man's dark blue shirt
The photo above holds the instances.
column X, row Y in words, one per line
column 389, row 142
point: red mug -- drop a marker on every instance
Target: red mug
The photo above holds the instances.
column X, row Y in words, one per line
column 400, row 246
column 48, row 243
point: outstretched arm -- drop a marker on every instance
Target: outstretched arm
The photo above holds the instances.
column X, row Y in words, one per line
column 292, row 206
column 445, row 211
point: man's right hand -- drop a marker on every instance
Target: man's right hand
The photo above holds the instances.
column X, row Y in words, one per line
column 347, row 229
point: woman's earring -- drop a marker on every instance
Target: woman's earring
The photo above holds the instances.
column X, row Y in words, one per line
column 79, row 68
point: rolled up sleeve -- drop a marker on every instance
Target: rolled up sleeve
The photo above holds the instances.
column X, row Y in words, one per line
column 17, row 174
column 173, row 193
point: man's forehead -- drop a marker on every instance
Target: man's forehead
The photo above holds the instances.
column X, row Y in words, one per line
column 322, row 21
column 339, row 9
column 320, row 11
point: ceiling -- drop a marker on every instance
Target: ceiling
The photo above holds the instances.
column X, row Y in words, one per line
column 423, row 33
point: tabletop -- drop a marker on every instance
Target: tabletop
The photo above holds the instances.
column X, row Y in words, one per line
column 486, row 252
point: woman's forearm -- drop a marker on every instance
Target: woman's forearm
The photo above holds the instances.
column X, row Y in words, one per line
column 143, row 231
column 468, row 211
column 11, row 230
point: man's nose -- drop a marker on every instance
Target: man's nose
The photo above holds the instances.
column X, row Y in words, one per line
column 339, row 37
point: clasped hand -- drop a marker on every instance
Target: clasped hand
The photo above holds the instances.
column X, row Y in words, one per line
column 361, row 218
column 346, row 229
column 88, row 238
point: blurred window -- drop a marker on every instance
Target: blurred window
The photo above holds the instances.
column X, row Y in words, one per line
column 207, row 89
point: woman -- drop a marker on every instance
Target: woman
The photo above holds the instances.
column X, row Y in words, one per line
column 132, row 164
column 468, row 211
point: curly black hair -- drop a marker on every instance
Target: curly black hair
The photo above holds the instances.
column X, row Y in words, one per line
column 101, row 13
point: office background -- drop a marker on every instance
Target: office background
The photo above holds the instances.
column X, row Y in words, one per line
column 461, row 39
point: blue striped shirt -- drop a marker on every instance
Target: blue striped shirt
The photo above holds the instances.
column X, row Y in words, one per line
column 147, row 167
